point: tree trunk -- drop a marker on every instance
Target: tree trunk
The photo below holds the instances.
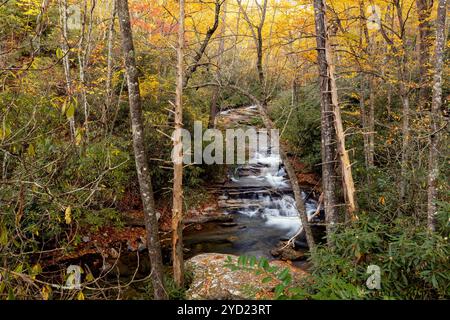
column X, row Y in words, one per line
column 66, row 54
column 213, row 108
column 406, row 109
column 259, row 50
column 83, row 56
column 436, row 118
column 344, row 159
column 404, row 96
column 371, row 122
column 295, row 92
column 216, row 93
column 367, row 114
column 328, row 133
column 199, row 54
column 363, row 107
column 40, row 25
column 368, row 120
column 142, row 168
column 177, row 206
column 111, row 33
column 424, row 8
column 257, row 38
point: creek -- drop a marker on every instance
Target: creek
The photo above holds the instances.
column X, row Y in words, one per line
column 259, row 198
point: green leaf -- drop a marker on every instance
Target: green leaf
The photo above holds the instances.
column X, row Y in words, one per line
column 283, row 274
column 287, row 280
column 264, row 263
column 70, row 112
column 11, row 295
column 31, row 151
column 89, row 277
column 3, row 235
column 266, row 279
column 279, row 290
column 19, row 268
column 2, row 286
column 434, row 281
column 242, row 261
column 59, row 53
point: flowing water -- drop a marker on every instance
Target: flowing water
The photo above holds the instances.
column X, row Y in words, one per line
column 259, row 197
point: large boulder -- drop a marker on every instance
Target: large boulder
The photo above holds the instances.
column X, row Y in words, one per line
column 213, row 280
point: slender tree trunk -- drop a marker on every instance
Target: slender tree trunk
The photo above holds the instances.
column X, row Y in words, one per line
column 81, row 65
column 424, row 8
column 363, row 107
column 221, row 49
column 65, row 59
column 295, row 92
column 371, row 122
column 328, row 134
column 436, row 118
column 177, row 206
column 346, row 166
column 368, row 120
column 199, row 54
column 258, row 39
column 404, row 96
column 110, row 61
column 213, row 108
column 259, row 50
column 40, row 25
column 142, row 168
column 367, row 114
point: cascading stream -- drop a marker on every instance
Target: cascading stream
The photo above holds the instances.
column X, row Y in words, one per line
column 258, row 195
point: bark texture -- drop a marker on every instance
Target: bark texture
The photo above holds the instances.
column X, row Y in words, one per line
column 140, row 155
column 177, row 201
column 328, row 134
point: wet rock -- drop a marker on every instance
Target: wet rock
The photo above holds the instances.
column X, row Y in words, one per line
column 232, row 238
column 228, row 224
column 286, row 252
column 209, row 209
column 213, row 280
column 198, row 227
column 300, row 244
column 211, row 218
